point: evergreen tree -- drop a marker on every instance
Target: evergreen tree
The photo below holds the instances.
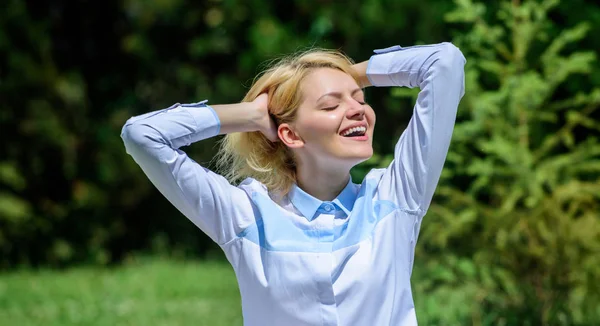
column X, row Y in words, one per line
column 518, row 203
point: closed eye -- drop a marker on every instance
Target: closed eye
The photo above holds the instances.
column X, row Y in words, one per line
column 360, row 100
column 330, row 108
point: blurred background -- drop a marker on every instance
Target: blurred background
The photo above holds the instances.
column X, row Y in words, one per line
column 512, row 236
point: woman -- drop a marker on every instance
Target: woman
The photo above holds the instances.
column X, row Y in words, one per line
column 308, row 246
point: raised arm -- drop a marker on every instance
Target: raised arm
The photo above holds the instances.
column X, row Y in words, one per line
column 419, row 155
column 206, row 198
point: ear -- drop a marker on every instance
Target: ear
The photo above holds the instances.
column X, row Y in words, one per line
column 289, row 137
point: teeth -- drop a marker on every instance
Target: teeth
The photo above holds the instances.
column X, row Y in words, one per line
column 355, row 129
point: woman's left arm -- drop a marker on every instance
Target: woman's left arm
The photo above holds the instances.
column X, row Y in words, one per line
column 419, row 155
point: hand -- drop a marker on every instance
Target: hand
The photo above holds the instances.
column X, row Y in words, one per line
column 266, row 125
column 361, row 71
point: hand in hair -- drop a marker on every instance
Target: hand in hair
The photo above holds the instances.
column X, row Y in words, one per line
column 361, row 72
column 266, row 125
column 247, row 117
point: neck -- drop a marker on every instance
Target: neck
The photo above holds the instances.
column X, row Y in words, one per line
column 322, row 184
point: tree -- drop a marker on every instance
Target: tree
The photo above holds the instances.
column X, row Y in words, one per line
column 518, row 203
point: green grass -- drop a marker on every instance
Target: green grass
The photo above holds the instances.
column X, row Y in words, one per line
column 154, row 292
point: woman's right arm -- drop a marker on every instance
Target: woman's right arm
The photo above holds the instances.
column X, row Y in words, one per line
column 153, row 140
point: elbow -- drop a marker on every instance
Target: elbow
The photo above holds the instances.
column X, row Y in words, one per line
column 451, row 59
column 136, row 135
column 450, row 63
column 130, row 136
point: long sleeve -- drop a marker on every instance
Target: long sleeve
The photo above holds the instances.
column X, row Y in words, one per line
column 206, row 198
column 419, row 155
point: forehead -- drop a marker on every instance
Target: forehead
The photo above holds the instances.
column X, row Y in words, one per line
column 326, row 80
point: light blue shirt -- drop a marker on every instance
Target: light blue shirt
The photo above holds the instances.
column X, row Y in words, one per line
column 302, row 261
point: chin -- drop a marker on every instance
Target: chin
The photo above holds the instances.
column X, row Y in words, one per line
column 360, row 157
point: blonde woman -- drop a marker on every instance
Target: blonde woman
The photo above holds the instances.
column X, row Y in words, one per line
column 309, row 246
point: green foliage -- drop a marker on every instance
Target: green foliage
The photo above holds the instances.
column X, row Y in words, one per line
column 518, row 204
column 512, row 236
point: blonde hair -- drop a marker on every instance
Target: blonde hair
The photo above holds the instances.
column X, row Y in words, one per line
column 251, row 154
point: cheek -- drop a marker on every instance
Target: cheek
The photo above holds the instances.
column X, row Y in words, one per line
column 319, row 124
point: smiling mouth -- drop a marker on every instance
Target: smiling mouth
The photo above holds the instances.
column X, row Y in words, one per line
column 354, row 132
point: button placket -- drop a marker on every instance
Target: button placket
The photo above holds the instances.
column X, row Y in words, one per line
column 325, row 222
column 326, row 294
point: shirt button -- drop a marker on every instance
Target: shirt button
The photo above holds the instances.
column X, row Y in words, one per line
column 328, row 208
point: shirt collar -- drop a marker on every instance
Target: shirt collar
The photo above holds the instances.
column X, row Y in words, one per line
column 308, row 205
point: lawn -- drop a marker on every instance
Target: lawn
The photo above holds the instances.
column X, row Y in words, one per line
column 156, row 291
column 153, row 292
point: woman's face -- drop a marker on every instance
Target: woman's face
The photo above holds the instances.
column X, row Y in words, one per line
column 333, row 125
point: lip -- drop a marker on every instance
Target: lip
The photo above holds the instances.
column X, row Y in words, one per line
column 358, row 124
column 357, row 138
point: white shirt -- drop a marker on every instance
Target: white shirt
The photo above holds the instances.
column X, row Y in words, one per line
column 303, row 261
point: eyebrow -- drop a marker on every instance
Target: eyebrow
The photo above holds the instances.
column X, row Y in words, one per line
column 339, row 94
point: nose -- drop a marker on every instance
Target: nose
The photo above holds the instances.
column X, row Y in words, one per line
column 356, row 111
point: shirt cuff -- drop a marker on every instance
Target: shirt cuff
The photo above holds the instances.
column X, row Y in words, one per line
column 378, row 68
column 207, row 121
column 380, row 65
